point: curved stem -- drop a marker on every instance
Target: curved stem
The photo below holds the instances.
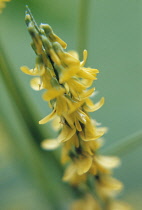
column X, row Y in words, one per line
column 124, row 146
column 83, row 25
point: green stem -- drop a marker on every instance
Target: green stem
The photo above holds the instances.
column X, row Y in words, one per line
column 83, row 25
column 126, row 145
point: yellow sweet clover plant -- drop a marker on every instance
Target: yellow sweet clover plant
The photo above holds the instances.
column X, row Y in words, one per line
column 67, row 81
column 2, row 4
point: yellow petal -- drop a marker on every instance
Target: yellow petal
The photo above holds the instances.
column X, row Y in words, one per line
column 62, row 43
column 77, row 125
column 54, row 57
column 48, row 117
column 111, row 183
column 107, row 162
column 83, row 164
column 70, row 118
column 87, row 82
column 33, row 72
column 50, row 144
column 56, row 123
column 68, row 59
column 81, row 116
column 87, row 93
column 91, row 71
column 85, row 75
column 74, row 54
column 88, row 107
column 36, row 83
column 69, row 173
column 66, row 133
column 108, row 186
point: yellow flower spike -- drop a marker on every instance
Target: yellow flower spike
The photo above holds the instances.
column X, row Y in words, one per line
column 66, row 80
column 85, row 54
column 66, row 133
column 90, row 107
column 50, row 144
column 83, row 164
column 36, row 84
column 48, row 117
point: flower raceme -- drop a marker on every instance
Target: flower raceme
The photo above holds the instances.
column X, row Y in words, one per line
column 66, row 81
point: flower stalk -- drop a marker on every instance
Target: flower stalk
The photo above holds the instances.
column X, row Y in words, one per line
column 66, row 82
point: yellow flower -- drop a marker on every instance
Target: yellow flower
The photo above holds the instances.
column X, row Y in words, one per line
column 108, row 186
column 72, row 176
column 67, row 84
column 2, row 4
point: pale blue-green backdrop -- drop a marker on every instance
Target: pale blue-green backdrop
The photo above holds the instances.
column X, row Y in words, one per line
column 30, row 177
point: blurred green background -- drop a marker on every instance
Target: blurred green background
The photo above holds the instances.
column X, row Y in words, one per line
column 30, row 177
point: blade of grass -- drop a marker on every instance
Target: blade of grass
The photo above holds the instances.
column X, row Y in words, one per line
column 83, row 25
column 126, row 145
